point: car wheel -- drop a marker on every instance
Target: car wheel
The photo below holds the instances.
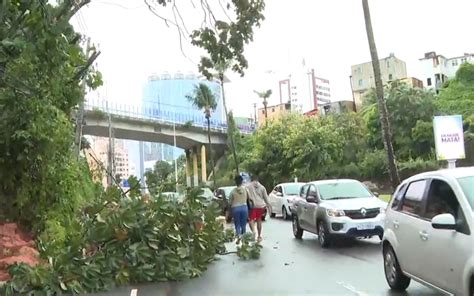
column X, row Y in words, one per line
column 323, row 235
column 297, row 231
column 284, row 213
column 393, row 273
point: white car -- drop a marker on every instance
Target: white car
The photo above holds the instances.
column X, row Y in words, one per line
column 429, row 232
column 283, row 197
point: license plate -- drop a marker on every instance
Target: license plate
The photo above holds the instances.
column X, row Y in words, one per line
column 365, row 226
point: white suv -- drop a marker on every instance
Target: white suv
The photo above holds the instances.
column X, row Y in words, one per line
column 429, row 232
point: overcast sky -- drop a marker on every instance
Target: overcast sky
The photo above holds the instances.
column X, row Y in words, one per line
column 329, row 34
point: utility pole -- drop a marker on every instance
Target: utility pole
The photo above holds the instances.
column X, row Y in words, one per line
column 111, row 153
column 174, row 156
column 255, row 114
column 80, row 115
column 354, row 107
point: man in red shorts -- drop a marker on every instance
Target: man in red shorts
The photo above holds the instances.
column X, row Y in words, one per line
column 259, row 200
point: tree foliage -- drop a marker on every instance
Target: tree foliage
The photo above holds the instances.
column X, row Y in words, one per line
column 204, row 99
column 42, row 66
column 128, row 241
column 349, row 145
column 160, row 179
column 457, row 97
column 412, row 135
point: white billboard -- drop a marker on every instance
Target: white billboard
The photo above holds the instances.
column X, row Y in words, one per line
column 449, row 137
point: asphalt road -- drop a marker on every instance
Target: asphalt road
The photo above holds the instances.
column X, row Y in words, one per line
column 288, row 267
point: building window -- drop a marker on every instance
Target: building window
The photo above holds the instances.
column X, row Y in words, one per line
column 463, row 60
column 388, row 64
column 390, row 76
column 263, row 111
column 361, row 82
column 428, row 81
column 273, row 109
column 454, row 63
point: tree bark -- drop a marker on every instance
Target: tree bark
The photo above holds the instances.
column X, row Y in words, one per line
column 211, row 156
column 229, row 131
column 382, row 106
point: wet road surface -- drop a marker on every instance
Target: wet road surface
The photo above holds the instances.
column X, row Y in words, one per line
column 288, row 267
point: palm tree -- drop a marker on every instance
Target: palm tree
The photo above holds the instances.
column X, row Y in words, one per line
column 204, row 99
column 382, row 106
column 221, row 68
column 264, row 95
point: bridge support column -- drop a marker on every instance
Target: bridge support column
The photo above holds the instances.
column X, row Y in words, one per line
column 188, row 169
column 203, row 164
column 195, row 167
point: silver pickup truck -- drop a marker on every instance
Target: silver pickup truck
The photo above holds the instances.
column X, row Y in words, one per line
column 332, row 208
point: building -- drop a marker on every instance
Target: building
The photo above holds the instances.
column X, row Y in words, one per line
column 245, row 123
column 304, row 90
column 437, row 69
column 362, row 75
column 273, row 112
column 165, row 97
column 336, row 107
column 412, row 81
column 99, row 152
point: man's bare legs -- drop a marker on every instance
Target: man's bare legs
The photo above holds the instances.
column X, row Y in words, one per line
column 252, row 228
column 259, row 229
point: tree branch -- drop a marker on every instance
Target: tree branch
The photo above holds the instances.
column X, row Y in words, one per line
column 79, row 75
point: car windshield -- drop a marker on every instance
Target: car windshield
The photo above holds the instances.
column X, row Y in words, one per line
column 343, row 190
column 467, row 185
column 207, row 193
column 292, row 189
column 228, row 190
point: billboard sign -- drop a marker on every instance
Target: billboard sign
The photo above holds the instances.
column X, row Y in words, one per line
column 449, row 137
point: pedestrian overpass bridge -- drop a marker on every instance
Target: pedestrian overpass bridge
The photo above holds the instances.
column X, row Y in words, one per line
column 132, row 122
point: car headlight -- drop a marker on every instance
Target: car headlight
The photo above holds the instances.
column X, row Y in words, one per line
column 335, row 213
column 289, row 200
column 382, row 210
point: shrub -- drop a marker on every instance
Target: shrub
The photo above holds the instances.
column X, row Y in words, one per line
column 412, row 167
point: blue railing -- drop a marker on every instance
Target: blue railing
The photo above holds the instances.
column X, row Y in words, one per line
column 152, row 111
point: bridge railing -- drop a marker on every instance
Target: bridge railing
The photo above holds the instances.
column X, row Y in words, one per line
column 153, row 112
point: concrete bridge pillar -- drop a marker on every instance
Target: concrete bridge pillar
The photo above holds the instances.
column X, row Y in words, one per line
column 195, row 167
column 203, row 164
column 188, row 168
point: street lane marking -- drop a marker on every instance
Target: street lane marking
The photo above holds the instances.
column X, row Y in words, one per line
column 134, row 292
column 352, row 289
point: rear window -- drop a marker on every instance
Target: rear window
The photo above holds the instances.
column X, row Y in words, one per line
column 467, row 185
column 292, row 189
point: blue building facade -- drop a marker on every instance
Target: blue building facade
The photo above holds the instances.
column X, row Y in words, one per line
column 164, row 97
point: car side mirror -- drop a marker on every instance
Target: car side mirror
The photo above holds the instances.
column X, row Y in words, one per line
column 220, row 196
column 376, row 194
column 278, row 193
column 444, row 221
column 311, row 198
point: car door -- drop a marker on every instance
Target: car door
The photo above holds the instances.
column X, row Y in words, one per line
column 301, row 205
column 310, row 209
column 445, row 252
column 273, row 199
column 406, row 222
